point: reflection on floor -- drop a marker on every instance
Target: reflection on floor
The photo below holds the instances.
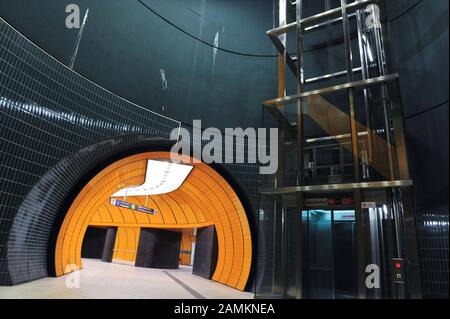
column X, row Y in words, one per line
column 111, row 280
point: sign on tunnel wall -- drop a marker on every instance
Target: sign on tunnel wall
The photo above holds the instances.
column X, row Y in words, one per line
column 127, row 205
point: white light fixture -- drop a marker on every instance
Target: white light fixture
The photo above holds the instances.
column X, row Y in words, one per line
column 161, row 177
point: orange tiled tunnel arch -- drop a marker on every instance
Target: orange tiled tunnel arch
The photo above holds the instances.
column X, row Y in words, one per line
column 204, row 199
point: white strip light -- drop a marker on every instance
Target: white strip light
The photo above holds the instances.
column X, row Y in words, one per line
column 161, row 177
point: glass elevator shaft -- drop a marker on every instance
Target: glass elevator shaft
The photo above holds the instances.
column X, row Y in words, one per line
column 337, row 219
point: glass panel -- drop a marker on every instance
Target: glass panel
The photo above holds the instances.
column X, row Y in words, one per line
column 320, row 255
column 379, row 226
column 292, row 252
column 374, row 136
column 268, row 283
column 323, row 56
column 345, row 254
column 327, row 144
column 327, row 148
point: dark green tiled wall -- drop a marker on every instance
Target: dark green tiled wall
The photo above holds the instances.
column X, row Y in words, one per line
column 48, row 112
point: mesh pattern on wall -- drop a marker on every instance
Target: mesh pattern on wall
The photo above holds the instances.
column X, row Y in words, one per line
column 48, row 112
column 241, row 167
column 433, row 249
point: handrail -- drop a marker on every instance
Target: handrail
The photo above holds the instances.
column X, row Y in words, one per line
column 332, row 89
column 323, row 15
column 336, row 187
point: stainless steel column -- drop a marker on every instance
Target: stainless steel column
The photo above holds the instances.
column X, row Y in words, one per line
column 300, row 146
column 361, row 245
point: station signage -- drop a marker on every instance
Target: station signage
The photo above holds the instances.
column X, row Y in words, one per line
column 135, row 207
column 328, row 202
column 319, row 202
column 367, row 205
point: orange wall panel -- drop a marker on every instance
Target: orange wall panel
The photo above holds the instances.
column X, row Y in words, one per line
column 186, row 246
column 204, row 199
column 125, row 246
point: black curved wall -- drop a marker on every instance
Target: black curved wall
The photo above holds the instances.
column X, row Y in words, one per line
column 419, row 50
column 124, row 46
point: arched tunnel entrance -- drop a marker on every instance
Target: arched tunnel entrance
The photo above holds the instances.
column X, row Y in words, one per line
column 77, row 194
column 204, row 199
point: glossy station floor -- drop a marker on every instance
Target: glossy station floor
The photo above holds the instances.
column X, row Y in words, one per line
column 116, row 281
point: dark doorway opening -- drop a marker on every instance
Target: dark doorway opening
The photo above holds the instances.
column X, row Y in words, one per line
column 329, row 254
column 98, row 243
column 93, row 243
column 158, row 249
column 205, row 258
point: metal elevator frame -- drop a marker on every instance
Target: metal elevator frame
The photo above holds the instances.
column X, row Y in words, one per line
column 398, row 183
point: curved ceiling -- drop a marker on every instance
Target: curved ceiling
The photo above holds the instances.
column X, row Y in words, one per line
column 204, row 199
column 161, row 177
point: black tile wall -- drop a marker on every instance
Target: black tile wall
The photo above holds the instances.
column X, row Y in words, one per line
column 246, row 172
column 39, row 215
column 433, row 250
column 48, row 113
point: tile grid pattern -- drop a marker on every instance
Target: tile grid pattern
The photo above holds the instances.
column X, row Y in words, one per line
column 433, row 250
column 48, row 112
column 239, row 165
column 27, row 246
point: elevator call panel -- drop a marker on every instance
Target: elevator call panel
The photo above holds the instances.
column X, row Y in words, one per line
column 398, row 270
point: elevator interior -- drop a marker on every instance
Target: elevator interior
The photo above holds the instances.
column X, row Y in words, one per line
column 326, row 246
column 339, row 211
column 330, row 243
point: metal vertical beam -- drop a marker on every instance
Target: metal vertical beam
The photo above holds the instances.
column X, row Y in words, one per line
column 299, row 86
column 349, row 67
column 393, row 89
column 365, row 75
column 277, row 271
column 398, row 230
column 284, row 253
column 347, row 43
column 299, row 248
column 333, row 254
column 360, row 242
column 411, row 250
column 382, row 69
column 300, row 137
column 280, row 231
column 413, row 276
column 282, row 16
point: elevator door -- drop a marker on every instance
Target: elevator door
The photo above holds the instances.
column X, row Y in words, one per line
column 329, row 259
